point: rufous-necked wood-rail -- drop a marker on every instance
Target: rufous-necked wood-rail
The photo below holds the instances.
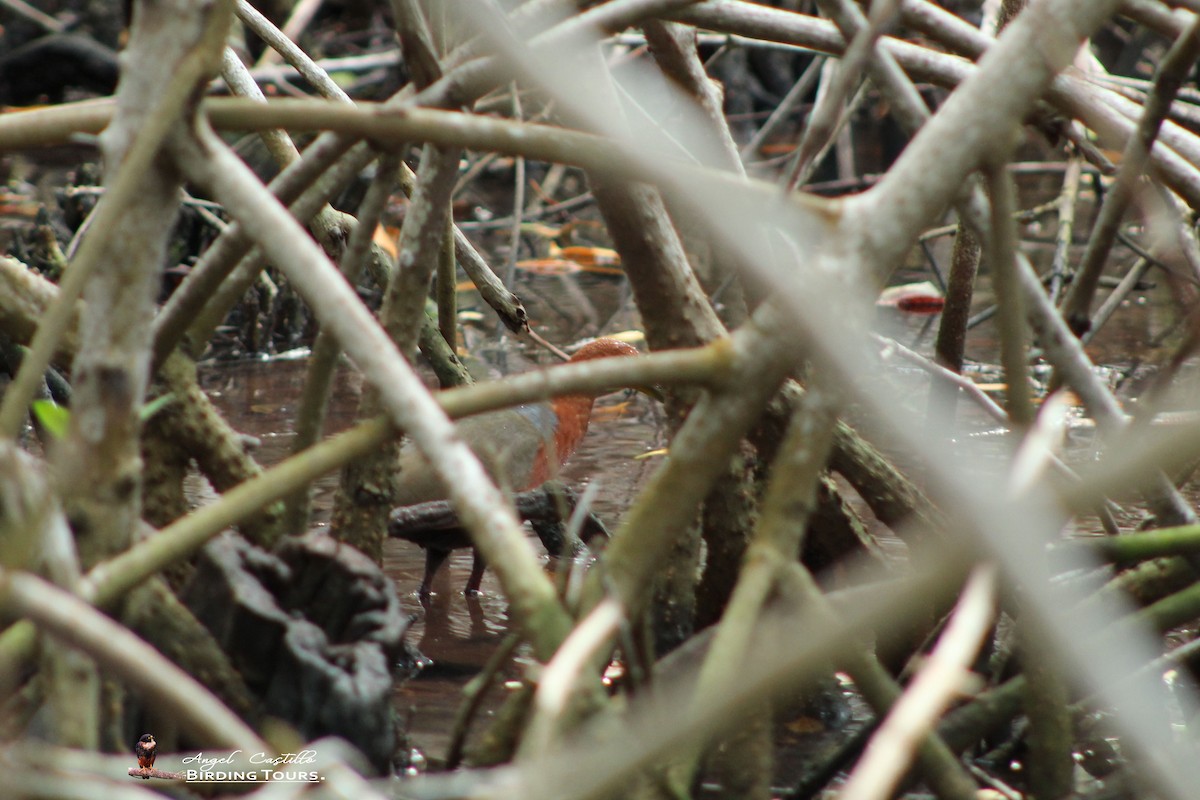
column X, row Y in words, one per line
column 520, row 447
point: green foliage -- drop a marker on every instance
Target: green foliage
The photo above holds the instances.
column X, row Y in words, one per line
column 52, row 417
column 156, row 405
column 55, row 418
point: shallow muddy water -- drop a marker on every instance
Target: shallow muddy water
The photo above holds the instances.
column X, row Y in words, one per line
column 457, row 633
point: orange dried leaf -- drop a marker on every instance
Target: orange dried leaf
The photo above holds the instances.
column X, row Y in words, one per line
column 597, row 269
column 591, row 256
column 777, row 148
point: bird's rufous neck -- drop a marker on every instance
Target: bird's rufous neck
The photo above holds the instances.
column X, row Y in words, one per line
column 572, row 413
column 574, row 410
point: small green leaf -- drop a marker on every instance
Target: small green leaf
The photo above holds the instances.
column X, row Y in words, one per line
column 156, row 405
column 53, row 417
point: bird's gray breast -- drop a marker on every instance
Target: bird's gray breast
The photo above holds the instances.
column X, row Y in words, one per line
column 541, row 417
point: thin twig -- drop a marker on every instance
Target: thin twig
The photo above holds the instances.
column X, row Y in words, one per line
column 514, row 240
column 565, row 673
column 474, row 694
column 1117, row 296
column 300, row 61
column 1064, row 237
column 31, row 13
column 302, row 14
column 1001, row 257
column 929, row 694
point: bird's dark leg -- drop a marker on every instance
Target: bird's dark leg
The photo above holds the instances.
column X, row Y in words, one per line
column 434, row 559
column 478, row 565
